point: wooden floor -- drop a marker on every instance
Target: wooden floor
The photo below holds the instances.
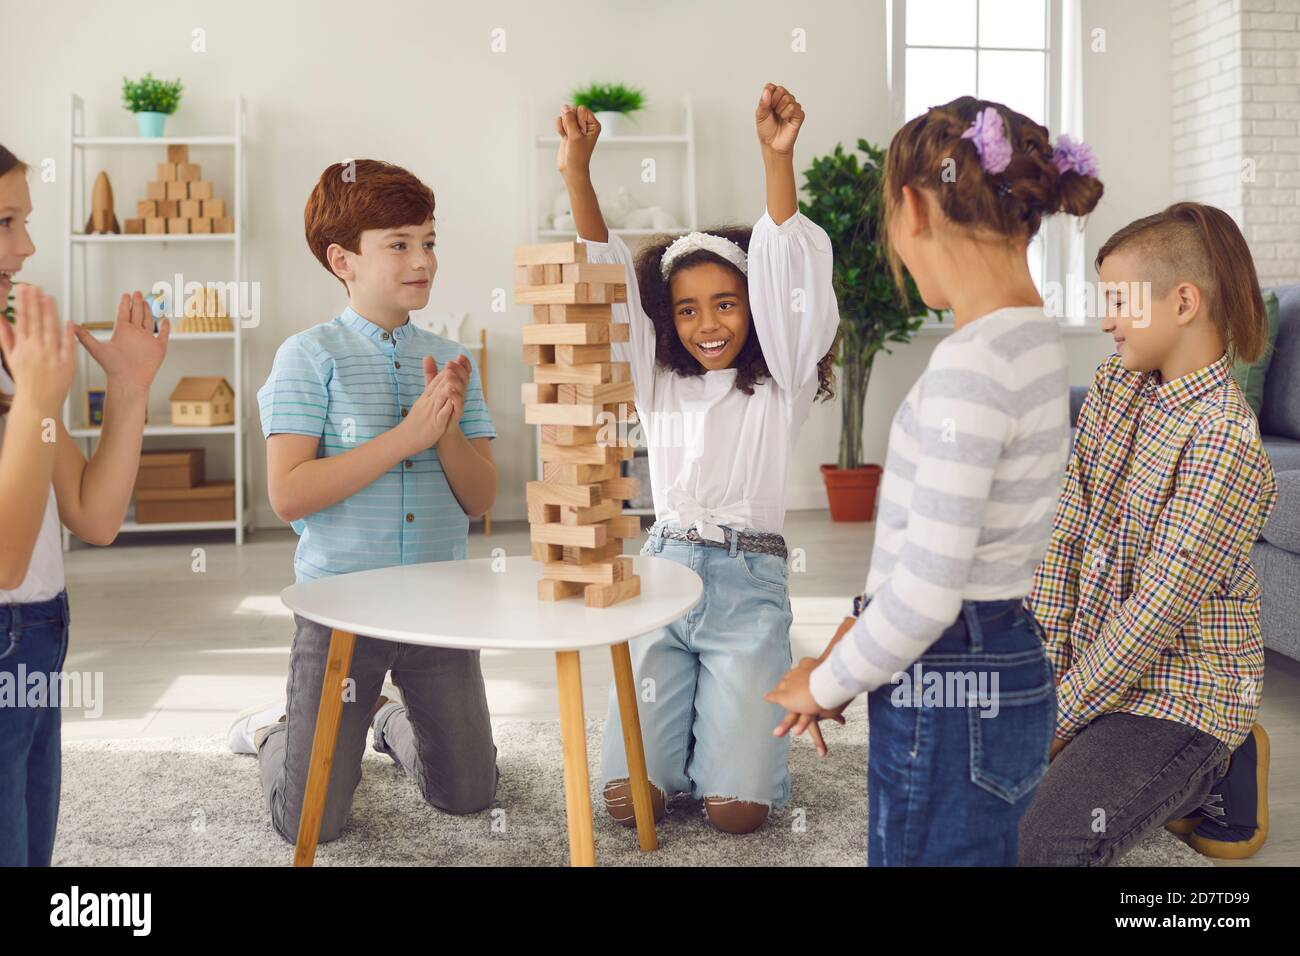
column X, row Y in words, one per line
column 182, row 651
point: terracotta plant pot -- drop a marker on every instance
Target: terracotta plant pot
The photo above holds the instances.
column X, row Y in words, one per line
column 852, row 491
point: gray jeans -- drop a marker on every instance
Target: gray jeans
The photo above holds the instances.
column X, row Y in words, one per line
column 442, row 737
column 1120, row 778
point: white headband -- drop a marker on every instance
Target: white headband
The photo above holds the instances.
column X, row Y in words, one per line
column 694, row 241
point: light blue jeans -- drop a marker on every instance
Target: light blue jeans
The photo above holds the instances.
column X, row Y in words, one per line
column 700, row 681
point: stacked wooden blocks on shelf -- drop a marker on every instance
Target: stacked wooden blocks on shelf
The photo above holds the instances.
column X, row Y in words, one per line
column 180, row 201
column 582, row 401
column 205, row 311
column 170, row 486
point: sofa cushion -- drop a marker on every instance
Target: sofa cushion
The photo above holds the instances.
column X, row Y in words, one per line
column 1283, row 526
column 1283, row 453
column 1250, row 375
column 1280, row 414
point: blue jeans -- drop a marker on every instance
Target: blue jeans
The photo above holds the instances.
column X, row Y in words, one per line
column 700, row 682
column 33, row 640
column 959, row 743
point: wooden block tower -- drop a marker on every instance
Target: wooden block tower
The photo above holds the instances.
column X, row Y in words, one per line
column 180, row 201
column 582, row 401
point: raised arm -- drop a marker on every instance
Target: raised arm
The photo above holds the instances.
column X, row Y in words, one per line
column 791, row 293
column 578, row 131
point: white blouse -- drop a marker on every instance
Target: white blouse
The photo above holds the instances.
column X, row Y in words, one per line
column 717, row 455
column 44, row 578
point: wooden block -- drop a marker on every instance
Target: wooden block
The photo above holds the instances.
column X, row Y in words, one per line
column 577, row 313
column 547, row 552
column 561, row 414
column 593, row 514
column 212, row 208
column 539, row 354
column 569, row 293
column 622, row 526
column 551, row 252
column 133, row 227
column 596, row 572
column 585, row 454
column 178, row 153
column 545, row 492
column 611, row 549
column 549, row 589
column 604, row 595
column 580, row 536
column 541, row 513
column 190, row 208
column 564, row 474
column 604, row 273
column 182, row 227
column 155, row 225
column 606, row 293
column 188, row 172
column 169, row 208
column 595, row 394
column 592, row 374
column 167, row 172
column 581, row 354
column 621, row 489
column 200, row 189
column 200, row 225
column 156, row 190
column 574, row 333
column 574, row 434
column 178, row 190
column 146, row 208
column 539, row 394
column 530, row 275
column 223, row 224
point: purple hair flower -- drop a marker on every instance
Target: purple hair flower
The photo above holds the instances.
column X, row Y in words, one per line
column 1071, row 156
column 989, row 137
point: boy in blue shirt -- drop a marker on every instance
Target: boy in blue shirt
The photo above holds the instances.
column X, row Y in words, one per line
column 377, row 447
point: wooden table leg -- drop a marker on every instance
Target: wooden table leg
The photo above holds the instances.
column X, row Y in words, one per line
column 325, row 737
column 577, row 786
column 632, row 746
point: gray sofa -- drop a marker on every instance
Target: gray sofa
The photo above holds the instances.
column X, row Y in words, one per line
column 1276, row 554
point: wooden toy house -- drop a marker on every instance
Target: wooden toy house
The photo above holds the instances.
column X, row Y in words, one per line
column 203, row 400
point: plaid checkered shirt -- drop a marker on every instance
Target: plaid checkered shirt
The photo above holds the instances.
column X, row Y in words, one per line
column 1147, row 596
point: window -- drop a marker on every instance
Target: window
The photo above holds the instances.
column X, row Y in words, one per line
column 1011, row 51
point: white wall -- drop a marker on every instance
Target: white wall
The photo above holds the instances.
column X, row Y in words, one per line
column 416, row 83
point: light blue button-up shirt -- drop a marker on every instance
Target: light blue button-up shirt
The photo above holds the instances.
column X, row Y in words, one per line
column 346, row 381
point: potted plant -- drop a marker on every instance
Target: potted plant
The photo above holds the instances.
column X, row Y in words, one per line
column 611, row 102
column 846, row 198
column 152, row 101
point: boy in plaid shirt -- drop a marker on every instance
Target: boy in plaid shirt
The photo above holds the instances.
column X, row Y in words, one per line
column 1147, row 598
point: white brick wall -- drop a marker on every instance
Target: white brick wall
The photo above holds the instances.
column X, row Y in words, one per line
column 1235, row 67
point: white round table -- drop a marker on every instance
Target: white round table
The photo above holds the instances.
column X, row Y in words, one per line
column 492, row 603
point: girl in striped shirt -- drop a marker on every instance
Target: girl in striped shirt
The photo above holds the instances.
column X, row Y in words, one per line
column 961, row 703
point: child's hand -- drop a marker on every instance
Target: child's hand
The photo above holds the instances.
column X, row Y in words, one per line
column 778, row 119
column 578, row 131
column 802, row 710
column 39, row 350
column 133, row 353
column 451, row 383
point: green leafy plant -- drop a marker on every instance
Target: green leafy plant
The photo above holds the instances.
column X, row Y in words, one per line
column 609, row 98
column 147, row 95
column 846, row 198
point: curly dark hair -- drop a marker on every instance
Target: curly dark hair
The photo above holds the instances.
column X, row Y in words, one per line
column 656, row 300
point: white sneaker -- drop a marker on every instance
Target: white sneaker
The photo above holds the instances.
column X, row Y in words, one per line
column 249, row 722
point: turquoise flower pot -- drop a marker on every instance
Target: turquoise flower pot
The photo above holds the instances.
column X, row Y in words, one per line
column 151, row 124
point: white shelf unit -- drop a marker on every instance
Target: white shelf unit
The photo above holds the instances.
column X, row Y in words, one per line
column 684, row 141
column 75, row 298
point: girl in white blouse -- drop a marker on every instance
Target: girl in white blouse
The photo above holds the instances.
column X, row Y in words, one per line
column 45, row 481
column 729, row 343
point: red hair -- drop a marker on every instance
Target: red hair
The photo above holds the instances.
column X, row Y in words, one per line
column 362, row 194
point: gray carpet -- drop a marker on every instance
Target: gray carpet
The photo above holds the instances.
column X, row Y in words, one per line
column 191, row 802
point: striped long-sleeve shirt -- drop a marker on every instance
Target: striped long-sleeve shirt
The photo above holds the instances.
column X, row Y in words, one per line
column 976, row 456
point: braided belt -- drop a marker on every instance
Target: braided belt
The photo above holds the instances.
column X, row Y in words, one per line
column 760, row 542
